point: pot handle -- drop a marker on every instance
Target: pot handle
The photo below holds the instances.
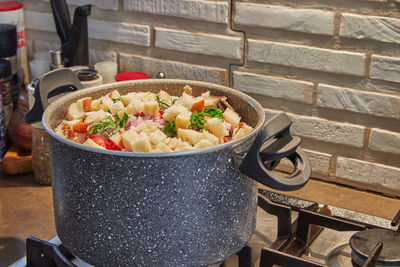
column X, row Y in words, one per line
column 51, row 84
column 271, row 144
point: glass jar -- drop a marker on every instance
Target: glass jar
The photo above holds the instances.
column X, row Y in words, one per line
column 41, row 156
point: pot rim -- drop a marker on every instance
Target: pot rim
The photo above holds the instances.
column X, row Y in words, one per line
column 112, row 86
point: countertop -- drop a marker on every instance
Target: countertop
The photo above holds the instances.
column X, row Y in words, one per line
column 26, row 209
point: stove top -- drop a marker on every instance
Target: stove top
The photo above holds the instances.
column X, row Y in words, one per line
column 289, row 232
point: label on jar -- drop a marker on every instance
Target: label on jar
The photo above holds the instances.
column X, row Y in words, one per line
column 6, row 101
column 3, row 146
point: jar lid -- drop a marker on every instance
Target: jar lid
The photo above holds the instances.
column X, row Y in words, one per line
column 5, row 68
column 8, row 40
column 131, row 75
column 10, row 5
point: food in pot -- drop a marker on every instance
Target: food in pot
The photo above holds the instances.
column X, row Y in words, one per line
column 148, row 122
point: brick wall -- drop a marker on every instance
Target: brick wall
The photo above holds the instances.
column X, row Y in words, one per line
column 333, row 66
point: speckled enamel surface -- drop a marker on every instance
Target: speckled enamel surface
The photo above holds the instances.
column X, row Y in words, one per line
column 178, row 211
column 191, row 208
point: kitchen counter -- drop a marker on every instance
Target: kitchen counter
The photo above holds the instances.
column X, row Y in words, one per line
column 26, row 209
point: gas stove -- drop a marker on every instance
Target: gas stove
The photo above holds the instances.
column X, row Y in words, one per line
column 289, row 232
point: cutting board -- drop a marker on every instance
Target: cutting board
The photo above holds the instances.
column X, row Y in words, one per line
column 16, row 161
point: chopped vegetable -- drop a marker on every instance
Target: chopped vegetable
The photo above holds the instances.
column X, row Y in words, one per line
column 162, row 103
column 198, row 106
column 213, row 112
column 108, row 125
column 197, row 121
column 170, row 129
column 115, row 100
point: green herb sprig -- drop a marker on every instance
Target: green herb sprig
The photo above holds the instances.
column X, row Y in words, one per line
column 170, row 129
column 213, row 112
column 197, row 119
column 115, row 100
column 108, row 123
column 162, row 103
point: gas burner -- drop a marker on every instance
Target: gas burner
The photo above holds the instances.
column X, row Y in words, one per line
column 381, row 245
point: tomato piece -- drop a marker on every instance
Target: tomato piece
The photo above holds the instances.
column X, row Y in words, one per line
column 225, row 139
column 101, row 141
column 110, row 145
column 80, row 127
column 161, row 114
column 198, row 106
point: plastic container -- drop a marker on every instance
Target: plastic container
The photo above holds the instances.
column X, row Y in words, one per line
column 131, row 75
column 107, row 69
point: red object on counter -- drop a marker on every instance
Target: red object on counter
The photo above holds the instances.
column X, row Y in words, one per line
column 131, row 75
column 10, row 5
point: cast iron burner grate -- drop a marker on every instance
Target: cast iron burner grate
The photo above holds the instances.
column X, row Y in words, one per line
column 294, row 238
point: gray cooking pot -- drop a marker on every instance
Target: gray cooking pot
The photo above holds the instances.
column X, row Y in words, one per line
column 190, row 208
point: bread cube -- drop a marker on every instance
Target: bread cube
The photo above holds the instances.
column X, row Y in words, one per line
column 74, row 112
column 187, row 89
column 157, row 137
column 151, row 108
column 231, row 116
column 96, row 116
column 126, row 99
column 203, row 144
column 183, row 120
column 217, row 127
column 96, row 104
column 191, row 136
column 183, row 146
column 128, row 137
column 116, row 138
column 116, row 107
column 241, row 130
column 210, row 137
column 164, row 95
column 162, row 148
column 85, row 104
column 114, row 94
column 137, row 106
column 173, row 111
column 91, row 143
column 105, row 103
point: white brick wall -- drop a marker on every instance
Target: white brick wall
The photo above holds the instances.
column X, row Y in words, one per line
column 384, row 141
column 39, row 21
column 319, row 161
column 172, row 69
column 199, row 43
column 367, row 172
column 307, row 57
column 103, row 4
column 285, row 18
column 99, row 55
column 324, row 130
column 120, row 32
column 359, row 101
column 370, row 27
column 385, row 68
column 293, row 90
column 214, row 11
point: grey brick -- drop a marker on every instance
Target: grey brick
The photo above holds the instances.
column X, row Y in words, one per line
column 385, row 68
column 384, row 141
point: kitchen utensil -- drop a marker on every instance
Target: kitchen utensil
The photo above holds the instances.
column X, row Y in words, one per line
column 189, row 208
column 74, row 38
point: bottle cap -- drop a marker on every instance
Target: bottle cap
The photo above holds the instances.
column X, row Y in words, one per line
column 8, row 40
column 131, row 75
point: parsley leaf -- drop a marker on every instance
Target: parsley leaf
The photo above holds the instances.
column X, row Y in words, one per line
column 108, row 123
column 169, row 129
column 213, row 112
column 162, row 103
column 197, row 121
column 115, row 100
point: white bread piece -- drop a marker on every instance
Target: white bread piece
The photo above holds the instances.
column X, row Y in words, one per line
column 164, row 95
column 157, row 137
column 116, row 138
column 91, row 143
column 241, row 132
column 126, row 99
column 96, row 116
column 186, row 100
column 136, row 105
column 191, row 136
column 116, row 107
column 148, row 96
column 173, row 111
column 141, row 144
column 210, row 137
column 128, row 110
column 151, row 108
column 231, row 116
column 105, row 103
column 187, row 89
column 162, row 147
column 114, row 94
column 203, row 144
column 80, row 102
column 183, row 146
column 128, row 137
column 74, row 112
column 183, row 120
column 147, row 127
column 216, row 126
column 96, row 104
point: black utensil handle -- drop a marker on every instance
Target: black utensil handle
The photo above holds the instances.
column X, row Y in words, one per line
column 51, row 84
column 274, row 142
column 62, row 19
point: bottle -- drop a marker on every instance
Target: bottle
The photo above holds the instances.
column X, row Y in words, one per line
column 5, row 72
column 5, row 86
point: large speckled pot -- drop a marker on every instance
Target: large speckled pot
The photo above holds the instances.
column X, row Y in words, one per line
column 191, row 208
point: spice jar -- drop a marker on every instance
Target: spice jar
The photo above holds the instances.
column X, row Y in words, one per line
column 40, row 147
